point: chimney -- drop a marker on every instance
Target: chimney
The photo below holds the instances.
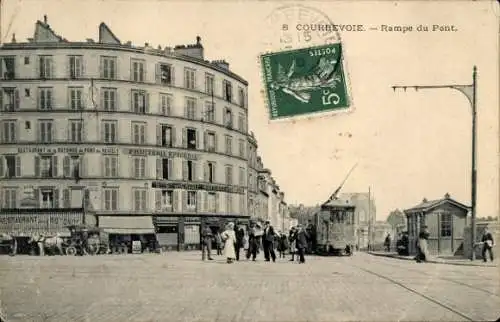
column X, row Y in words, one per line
column 447, row 196
column 13, row 38
column 424, row 200
column 45, row 19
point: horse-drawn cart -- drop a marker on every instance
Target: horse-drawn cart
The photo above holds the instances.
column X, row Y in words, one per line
column 86, row 240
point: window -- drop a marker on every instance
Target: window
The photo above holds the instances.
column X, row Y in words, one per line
column 10, row 166
column 229, row 203
column 7, row 67
column 75, row 131
column 164, row 168
column 241, row 97
column 210, row 172
column 108, row 99
column 242, row 205
column 47, row 199
column 164, row 199
column 229, row 175
column 9, row 131
column 45, row 67
column 110, row 199
column 140, row 101
column 191, row 138
column 165, row 76
column 109, row 131
column 72, row 166
column 45, row 98
column 191, row 199
column 45, row 128
column 241, row 122
column 210, row 143
column 227, row 91
column 242, row 177
column 166, row 102
column 26, row 60
column 9, row 99
column 242, row 148
column 189, row 78
column 110, row 166
column 108, row 67
column 138, row 133
column 229, row 144
column 165, row 135
column 9, row 198
column 46, row 166
column 188, row 170
column 137, row 70
column 75, row 98
column 209, row 84
column 446, row 222
column 209, row 112
column 75, row 67
column 190, row 108
column 139, row 199
column 228, row 118
column 211, row 202
column 139, row 167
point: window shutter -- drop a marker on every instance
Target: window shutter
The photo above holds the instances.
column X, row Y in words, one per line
column 2, row 168
column 184, row 170
column 66, row 166
column 217, row 205
column 216, row 139
column 184, row 138
column 185, row 107
column 194, row 167
column 159, row 168
column 1, row 190
column 172, row 75
column 158, row 73
column 132, row 167
column 199, row 201
column 101, row 100
column 17, row 105
column 175, row 200
column 131, row 99
column 205, row 172
column 82, row 167
column 198, row 140
column 158, row 134
column 54, row 166
column 18, row 166
column 37, row 166
column 81, row 64
column 36, row 194
column 1, row 90
column 173, row 136
column 184, row 199
column 158, row 199
column 170, row 169
column 214, row 174
column 56, row 198
column 205, row 201
column 205, row 140
column 146, row 103
column 66, row 199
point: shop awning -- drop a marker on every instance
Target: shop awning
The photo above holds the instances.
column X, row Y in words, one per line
column 127, row 224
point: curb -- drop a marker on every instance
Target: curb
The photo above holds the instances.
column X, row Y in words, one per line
column 431, row 261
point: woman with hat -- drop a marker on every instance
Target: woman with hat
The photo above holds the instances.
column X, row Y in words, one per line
column 229, row 238
column 423, row 252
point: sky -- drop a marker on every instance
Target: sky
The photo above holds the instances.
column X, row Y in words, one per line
column 408, row 145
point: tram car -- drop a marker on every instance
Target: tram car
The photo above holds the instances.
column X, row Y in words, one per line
column 335, row 231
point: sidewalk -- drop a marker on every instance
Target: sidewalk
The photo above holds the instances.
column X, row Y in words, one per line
column 440, row 260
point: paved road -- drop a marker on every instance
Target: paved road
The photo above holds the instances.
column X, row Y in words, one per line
column 179, row 287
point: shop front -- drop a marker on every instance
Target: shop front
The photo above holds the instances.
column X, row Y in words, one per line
column 129, row 233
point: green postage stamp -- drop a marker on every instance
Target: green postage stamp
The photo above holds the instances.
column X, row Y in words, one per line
column 305, row 81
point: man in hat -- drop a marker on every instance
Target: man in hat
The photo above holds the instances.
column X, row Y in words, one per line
column 301, row 242
column 268, row 242
column 253, row 241
column 206, row 243
column 240, row 234
column 488, row 243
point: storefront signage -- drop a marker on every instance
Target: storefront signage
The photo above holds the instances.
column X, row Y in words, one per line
column 196, row 186
column 107, row 150
column 38, row 222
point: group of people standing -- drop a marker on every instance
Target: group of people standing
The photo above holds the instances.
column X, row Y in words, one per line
column 232, row 240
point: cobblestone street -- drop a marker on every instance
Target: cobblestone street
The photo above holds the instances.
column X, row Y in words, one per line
column 180, row 287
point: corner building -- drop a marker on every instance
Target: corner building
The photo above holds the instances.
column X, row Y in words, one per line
column 155, row 140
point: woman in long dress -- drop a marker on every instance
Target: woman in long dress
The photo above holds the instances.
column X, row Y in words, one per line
column 229, row 238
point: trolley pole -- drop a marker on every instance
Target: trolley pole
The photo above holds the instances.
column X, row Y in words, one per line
column 470, row 92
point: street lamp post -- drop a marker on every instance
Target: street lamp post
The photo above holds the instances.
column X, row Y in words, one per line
column 470, row 92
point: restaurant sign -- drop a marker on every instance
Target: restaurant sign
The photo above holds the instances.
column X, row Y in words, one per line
column 197, row 186
column 161, row 152
column 38, row 223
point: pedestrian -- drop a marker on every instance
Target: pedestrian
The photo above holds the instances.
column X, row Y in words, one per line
column 423, row 252
column 229, row 238
column 206, row 243
column 282, row 245
column 246, row 242
column 218, row 242
column 292, row 241
column 387, row 243
column 253, row 241
column 488, row 243
column 240, row 234
column 268, row 242
column 301, row 243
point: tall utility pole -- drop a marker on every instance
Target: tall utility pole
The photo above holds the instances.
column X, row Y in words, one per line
column 470, row 92
column 370, row 228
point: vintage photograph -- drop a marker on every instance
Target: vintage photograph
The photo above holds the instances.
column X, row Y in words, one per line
column 249, row 160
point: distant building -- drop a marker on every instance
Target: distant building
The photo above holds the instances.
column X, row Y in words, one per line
column 364, row 212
